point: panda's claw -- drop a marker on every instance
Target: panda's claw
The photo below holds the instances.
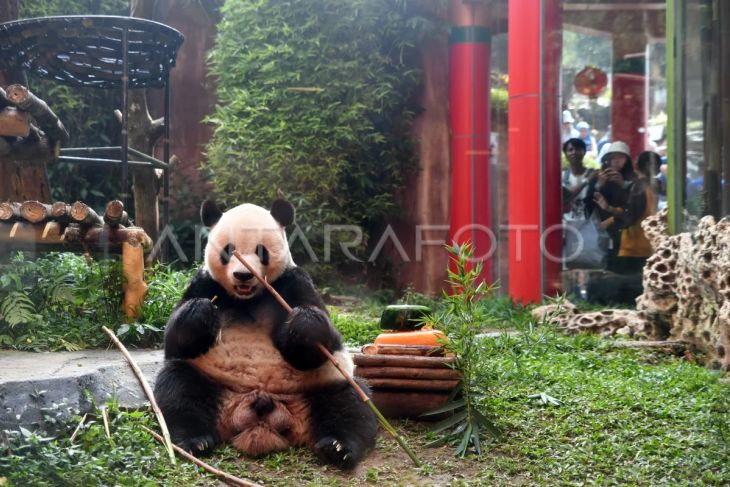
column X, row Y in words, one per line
column 198, row 444
column 336, row 453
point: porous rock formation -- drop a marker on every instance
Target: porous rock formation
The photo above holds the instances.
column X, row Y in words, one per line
column 686, row 293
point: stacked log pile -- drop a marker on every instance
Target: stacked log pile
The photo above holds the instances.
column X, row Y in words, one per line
column 60, row 226
column 32, row 223
column 407, row 380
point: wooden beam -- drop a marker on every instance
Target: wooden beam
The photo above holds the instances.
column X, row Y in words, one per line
column 14, row 123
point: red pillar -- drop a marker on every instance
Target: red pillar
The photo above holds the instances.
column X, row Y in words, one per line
column 469, row 58
column 629, row 88
column 534, row 49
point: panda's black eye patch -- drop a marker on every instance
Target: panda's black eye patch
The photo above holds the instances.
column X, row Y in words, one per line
column 263, row 254
column 226, row 253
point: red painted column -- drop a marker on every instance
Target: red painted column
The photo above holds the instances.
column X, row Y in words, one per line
column 469, row 58
column 534, row 149
column 629, row 102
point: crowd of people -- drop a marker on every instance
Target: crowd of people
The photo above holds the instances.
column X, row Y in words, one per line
column 603, row 208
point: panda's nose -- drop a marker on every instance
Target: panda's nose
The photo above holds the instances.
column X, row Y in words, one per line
column 242, row 276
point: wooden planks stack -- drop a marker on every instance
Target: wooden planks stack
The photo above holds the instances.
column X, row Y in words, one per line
column 407, row 380
column 59, row 226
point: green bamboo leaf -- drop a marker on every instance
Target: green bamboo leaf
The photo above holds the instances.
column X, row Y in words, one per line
column 464, row 444
column 450, row 406
column 475, row 437
column 449, row 422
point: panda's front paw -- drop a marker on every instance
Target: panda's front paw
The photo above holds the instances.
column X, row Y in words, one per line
column 198, row 445
column 335, row 452
column 309, row 326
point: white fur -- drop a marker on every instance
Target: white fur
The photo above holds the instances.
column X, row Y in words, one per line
column 246, row 226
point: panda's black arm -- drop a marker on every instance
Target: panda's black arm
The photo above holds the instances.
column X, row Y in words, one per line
column 308, row 325
column 194, row 325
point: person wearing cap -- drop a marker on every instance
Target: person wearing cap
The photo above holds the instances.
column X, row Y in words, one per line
column 624, row 199
column 567, row 130
column 584, row 133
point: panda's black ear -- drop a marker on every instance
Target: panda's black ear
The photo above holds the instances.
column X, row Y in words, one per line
column 283, row 212
column 210, row 213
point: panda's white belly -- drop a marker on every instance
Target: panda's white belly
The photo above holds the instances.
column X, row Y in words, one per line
column 245, row 359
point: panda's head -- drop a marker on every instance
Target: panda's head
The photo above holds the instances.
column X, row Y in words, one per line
column 257, row 234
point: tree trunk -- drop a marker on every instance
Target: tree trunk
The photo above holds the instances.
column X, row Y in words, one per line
column 22, row 179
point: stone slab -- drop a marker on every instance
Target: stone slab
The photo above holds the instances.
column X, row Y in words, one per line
column 39, row 389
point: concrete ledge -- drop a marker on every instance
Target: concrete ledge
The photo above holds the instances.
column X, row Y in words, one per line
column 38, row 389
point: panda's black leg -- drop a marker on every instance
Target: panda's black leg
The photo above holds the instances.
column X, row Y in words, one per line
column 189, row 403
column 192, row 329
column 343, row 426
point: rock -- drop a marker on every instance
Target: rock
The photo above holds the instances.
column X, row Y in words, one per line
column 38, row 389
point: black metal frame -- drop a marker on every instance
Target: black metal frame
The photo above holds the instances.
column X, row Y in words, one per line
column 88, row 51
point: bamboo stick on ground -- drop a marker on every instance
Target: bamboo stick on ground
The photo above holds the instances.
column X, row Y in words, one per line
column 415, row 384
column 218, row 473
column 147, row 390
column 364, row 397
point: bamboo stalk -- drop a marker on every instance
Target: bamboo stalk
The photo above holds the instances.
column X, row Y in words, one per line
column 78, row 428
column 218, row 473
column 147, row 391
column 381, row 419
column 105, row 417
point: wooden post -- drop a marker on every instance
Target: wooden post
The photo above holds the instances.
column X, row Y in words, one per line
column 133, row 275
column 14, row 122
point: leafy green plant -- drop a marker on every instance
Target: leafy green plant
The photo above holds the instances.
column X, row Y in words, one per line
column 462, row 320
column 61, row 300
column 316, row 99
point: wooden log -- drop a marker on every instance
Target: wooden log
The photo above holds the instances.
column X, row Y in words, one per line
column 418, row 350
column 22, row 98
column 409, row 403
column 60, row 211
column 9, row 211
column 133, row 278
column 83, row 214
column 14, row 122
column 362, row 360
column 413, row 384
column 35, row 211
column 25, row 234
column 407, row 373
column 115, row 215
column 107, row 235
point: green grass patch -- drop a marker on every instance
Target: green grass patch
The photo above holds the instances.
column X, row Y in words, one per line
column 573, row 411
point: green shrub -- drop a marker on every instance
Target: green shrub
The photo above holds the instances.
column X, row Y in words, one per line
column 315, row 100
column 60, row 301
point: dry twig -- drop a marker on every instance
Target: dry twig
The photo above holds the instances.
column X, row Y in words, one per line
column 147, row 391
column 218, row 473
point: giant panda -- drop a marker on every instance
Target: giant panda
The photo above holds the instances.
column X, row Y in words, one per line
column 240, row 369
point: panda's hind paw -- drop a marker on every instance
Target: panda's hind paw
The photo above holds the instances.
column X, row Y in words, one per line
column 335, row 452
column 202, row 445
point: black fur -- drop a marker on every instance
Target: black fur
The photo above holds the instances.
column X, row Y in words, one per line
column 283, row 212
column 189, row 402
column 343, row 426
column 210, row 213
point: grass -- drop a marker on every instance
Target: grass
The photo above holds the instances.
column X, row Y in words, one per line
column 573, row 411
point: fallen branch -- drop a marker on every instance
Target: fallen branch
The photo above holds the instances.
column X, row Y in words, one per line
column 218, row 473
column 364, row 397
column 147, row 391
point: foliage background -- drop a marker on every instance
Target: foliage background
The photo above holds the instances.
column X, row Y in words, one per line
column 316, row 100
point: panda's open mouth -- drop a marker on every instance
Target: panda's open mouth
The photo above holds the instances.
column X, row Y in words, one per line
column 244, row 289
